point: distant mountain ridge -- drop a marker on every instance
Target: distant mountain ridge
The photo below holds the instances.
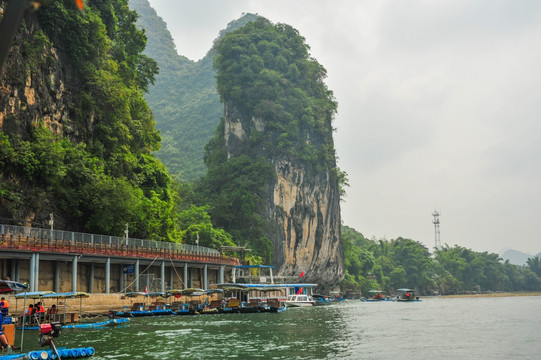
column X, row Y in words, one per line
column 183, row 99
column 517, row 257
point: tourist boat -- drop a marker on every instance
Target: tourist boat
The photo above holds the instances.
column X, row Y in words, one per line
column 67, row 319
column 336, row 296
column 255, row 289
column 407, row 295
column 375, row 296
column 321, row 300
column 48, row 332
column 300, row 300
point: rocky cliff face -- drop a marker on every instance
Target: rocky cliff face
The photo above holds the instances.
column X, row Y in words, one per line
column 34, row 90
column 303, row 206
column 33, row 84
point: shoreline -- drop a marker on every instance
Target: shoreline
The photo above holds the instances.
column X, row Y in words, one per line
column 502, row 294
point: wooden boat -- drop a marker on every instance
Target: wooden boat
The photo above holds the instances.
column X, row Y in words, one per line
column 48, row 332
column 407, row 295
column 68, row 320
column 254, row 286
column 321, row 300
column 85, row 325
column 375, row 296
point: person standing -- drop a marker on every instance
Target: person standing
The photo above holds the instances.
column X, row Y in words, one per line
column 4, row 306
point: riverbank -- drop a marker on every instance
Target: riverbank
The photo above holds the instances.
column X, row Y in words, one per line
column 498, row 294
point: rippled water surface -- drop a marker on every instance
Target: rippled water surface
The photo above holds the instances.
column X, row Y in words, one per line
column 436, row 328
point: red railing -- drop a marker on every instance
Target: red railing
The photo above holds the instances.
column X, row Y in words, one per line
column 74, row 247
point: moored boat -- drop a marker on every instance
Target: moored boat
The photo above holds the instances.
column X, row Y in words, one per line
column 300, row 300
column 407, row 295
column 48, row 332
column 375, row 296
column 322, row 299
column 255, row 287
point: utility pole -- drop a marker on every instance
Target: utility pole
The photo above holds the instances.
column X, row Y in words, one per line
column 51, row 222
column 126, row 232
column 436, row 222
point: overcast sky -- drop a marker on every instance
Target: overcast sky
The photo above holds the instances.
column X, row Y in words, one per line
column 439, row 105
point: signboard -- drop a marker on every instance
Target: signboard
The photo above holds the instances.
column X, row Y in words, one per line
column 128, row 269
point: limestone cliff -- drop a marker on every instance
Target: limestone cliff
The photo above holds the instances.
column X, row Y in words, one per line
column 32, row 82
column 302, row 205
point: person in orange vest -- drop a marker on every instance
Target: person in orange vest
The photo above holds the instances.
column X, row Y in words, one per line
column 30, row 310
column 41, row 309
column 4, row 306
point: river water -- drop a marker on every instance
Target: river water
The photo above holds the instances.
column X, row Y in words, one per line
column 436, row 328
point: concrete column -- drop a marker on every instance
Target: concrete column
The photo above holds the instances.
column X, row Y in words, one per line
column 91, row 280
column 206, row 277
column 171, row 277
column 108, row 276
column 121, row 282
column 222, row 274
column 185, row 285
column 74, row 274
column 32, row 273
column 137, row 275
column 191, row 277
column 147, row 280
column 36, row 275
column 18, row 271
column 162, row 276
column 57, row 276
column 13, row 269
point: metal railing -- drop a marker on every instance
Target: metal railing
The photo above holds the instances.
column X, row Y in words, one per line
column 91, row 239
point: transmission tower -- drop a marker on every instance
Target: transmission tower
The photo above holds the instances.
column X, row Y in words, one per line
column 436, row 222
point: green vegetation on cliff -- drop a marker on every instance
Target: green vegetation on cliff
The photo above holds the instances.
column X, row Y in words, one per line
column 184, row 100
column 264, row 72
column 392, row 264
column 96, row 171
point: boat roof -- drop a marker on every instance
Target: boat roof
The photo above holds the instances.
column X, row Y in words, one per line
column 33, row 294
column 254, row 266
column 66, row 295
column 134, row 294
column 375, row 291
column 7, row 286
column 404, row 289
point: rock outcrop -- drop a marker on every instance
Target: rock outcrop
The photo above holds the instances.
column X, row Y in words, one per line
column 33, row 84
column 302, row 206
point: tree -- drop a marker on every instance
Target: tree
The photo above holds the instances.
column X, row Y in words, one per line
column 535, row 265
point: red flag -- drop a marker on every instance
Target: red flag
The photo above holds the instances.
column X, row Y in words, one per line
column 146, row 289
column 300, row 291
column 302, row 274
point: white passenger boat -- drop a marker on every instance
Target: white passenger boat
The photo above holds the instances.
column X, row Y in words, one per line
column 299, row 301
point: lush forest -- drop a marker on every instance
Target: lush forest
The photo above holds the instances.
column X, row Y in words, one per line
column 99, row 172
column 184, row 100
column 398, row 263
column 264, row 71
